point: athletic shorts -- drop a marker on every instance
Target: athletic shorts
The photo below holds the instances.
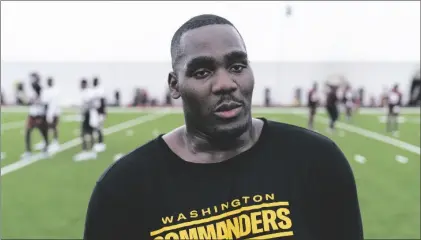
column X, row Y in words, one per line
column 393, row 109
column 36, row 122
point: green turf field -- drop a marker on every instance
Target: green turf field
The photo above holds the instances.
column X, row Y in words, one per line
column 48, row 198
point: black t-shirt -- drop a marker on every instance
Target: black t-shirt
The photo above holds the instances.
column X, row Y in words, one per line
column 292, row 184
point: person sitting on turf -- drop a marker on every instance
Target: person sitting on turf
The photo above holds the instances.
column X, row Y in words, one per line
column 224, row 174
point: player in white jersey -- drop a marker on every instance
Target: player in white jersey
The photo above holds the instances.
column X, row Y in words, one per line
column 394, row 100
column 88, row 111
column 36, row 117
column 348, row 101
column 50, row 96
column 100, row 105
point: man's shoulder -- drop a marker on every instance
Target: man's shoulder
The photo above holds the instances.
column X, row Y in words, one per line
column 297, row 133
column 134, row 167
column 307, row 145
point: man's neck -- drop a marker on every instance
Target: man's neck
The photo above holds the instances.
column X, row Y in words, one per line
column 196, row 147
column 197, row 141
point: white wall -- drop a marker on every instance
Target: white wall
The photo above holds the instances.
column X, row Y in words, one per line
column 374, row 44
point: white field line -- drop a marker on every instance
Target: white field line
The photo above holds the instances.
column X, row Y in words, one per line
column 401, row 159
column 360, row 159
column 21, row 124
column 373, row 135
column 75, row 142
column 118, row 156
column 12, row 125
column 401, row 119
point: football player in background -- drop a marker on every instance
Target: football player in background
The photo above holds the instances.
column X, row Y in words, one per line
column 394, row 100
column 332, row 107
column 36, row 117
column 87, row 110
column 50, row 97
column 98, row 94
column 348, row 101
column 21, row 97
column 313, row 103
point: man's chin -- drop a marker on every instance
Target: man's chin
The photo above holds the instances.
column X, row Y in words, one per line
column 232, row 130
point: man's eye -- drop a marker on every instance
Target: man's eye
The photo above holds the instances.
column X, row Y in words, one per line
column 200, row 74
column 237, row 68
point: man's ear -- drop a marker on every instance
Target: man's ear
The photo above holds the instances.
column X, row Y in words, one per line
column 173, row 85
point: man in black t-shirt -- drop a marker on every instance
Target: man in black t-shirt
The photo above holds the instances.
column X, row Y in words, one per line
column 224, row 174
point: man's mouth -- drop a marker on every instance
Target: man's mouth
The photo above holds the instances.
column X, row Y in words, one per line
column 228, row 109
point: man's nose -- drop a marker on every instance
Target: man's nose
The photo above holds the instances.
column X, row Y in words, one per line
column 223, row 83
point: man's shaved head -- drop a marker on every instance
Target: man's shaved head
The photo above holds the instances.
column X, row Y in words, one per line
column 211, row 69
column 193, row 23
